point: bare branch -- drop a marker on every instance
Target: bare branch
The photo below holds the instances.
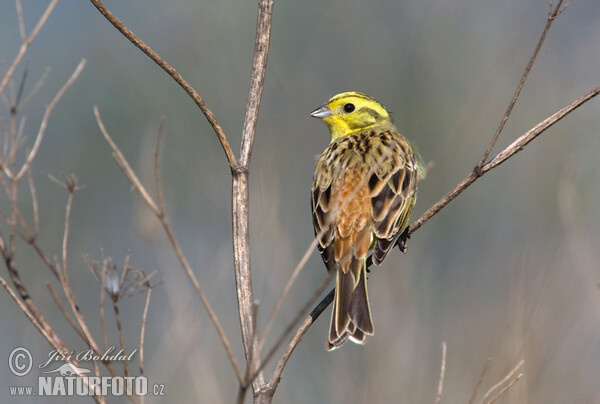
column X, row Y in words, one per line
column 34, row 203
column 49, row 108
column 101, row 304
column 124, row 165
column 21, row 22
column 35, row 90
column 504, row 380
column 210, row 117
column 64, row 280
column 285, row 291
column 24, row 309
column 143, row 330
column 239, row 211
column 64, row 311
column 308, row 321
column 504, row 155
column 480, row 380
column 259, row 66
column 505, row 389
column 121, row 336
column 442, row 374
column 551, row 17
column 159, row 189
column 26, row 44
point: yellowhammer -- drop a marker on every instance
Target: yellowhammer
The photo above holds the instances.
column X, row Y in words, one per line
column 363, row 193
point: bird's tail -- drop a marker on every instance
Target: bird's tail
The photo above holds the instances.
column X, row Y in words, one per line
column 351, row 315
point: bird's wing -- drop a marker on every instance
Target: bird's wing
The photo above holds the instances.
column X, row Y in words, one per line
column 393, row 190
column 322, row 210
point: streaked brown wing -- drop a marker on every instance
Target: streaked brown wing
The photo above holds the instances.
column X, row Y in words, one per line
column 322, row 211
column 393, row 194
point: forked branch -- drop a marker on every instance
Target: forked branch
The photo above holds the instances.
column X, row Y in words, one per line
column 210, row 117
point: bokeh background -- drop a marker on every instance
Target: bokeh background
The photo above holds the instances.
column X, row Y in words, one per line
column 508, row 270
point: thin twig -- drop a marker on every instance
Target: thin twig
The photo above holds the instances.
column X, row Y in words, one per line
column 26, row 44
column 503, row 381
column 551, row 17
column 143, row 330
column 124, row 165
column 505, row 389
column 480, row 380
column 501, row 157
column 284, row 293
column 157, row 179
column 64, row 280
column 101, row 304
column 36, row 88
column 438, row 398
column 24, row 309
column 210, row 117
column 34, row 203
column 137, row 184
column 49, row 108
column 308, row 321
column 121, row 336
column 64, row 311
column 21, row 22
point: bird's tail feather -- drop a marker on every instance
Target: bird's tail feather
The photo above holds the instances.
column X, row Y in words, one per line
column 351, row 314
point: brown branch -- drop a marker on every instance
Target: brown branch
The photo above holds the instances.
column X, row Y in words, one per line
column 438, row 398
column 27, row 41
column 480, row 380
column 210, row 117
column 143, row 330
column 257, row 78
column 501, row 157
column 240, row 195
column 505, row 389
column 43, row 125
column 308, row 321
column 64, row 311
column 503, row 381
column 121, row 336
column 285, row 291
column 137, row 184
column 552, row 14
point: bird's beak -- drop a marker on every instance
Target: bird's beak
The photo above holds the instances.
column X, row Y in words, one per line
column 321, row 112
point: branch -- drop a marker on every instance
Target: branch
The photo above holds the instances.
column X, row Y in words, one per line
column 137, row 184
column 503, row 381
column 259, row 66
column 552, row 14
column 501, row 157
column 43, row 125
column 27, row 41
column 480, row 380
column 210, row 117
column 308, row 321
column 438, row 398
column 240, row 211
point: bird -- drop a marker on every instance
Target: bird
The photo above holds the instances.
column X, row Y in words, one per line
column 363, row 193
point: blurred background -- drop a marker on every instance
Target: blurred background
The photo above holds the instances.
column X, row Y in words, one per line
column 508, row 270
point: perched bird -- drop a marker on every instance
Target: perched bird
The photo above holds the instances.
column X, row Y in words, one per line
column 363, row 193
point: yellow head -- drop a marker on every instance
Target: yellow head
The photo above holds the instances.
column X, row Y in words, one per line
column 352, row 112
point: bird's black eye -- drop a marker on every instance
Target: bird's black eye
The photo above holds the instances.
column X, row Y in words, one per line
column 349, row 107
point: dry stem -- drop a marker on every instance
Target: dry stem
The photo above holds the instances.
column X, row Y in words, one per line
column 210, row 117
